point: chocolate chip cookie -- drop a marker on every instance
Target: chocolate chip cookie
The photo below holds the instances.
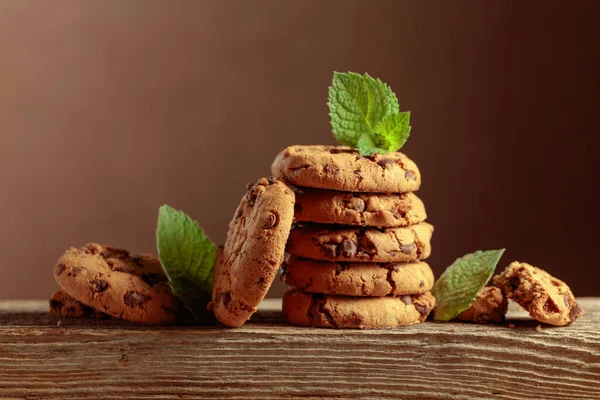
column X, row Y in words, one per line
column 324, row 311
column 363, row 209
column 63, row 305
column 118, row 283
column 362, row 244
column 546, row 298
column 253, row 251
column 343, row 168
column 358, row 279
column 489, row 306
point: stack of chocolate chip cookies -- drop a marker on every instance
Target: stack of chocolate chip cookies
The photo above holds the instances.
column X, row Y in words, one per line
column 356, row 251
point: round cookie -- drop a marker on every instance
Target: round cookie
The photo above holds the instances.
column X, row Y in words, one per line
column 544, row 297
column 363, row 209
column 63, row 305
column 253, row 251
column 115, row 282
column 362, row 244
column 355, row 312
column 358, row 279
column 343, row 168
column 490, row 306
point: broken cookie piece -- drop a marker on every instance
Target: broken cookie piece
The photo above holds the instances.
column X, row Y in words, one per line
column 544, row 297
column 489, row 306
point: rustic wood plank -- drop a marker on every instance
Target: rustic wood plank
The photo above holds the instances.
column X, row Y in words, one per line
column 42, row 358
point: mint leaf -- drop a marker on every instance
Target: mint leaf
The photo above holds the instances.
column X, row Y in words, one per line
column 366, row 147
column 348, row 107
column 458, row 286
column 394, row 130
column 188, row 257
column 363, row 114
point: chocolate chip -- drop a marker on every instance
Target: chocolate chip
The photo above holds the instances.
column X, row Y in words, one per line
column 337, row 150
column 421, row 283
column 56, row 304
column 567, row 300
column 385, row 162
column 348, row 248
column 397, row 213
column 550, row 306
column 59, row 269
column 226, row 298
column 120, row 267
column 98, row 285
column 395, row 267
column 408, row 174
column 514, row 283
column 406, row 300
column 138, row 260
column 575, row 310
column 111, row 252
column 329, row 249
column 133, row 298
column 483, row 318
column 271, row 221
column 341, row 267
column 423, row 310
column 331, row 169
column 359, row 174
column 298, row 208
column 91, row 248
column 408, row 248
column 271, row 180
column 356, row 203
column 152, row 278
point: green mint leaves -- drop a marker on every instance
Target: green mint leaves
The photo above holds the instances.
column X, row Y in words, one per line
column 188, row 257
column 458, row 286
column 365, row 114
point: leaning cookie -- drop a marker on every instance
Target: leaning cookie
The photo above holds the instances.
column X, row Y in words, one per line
column 489, row 306
column 115, row 282
column 362, row 209
column 253, row 251
column 63, row 305
column 544, row 297
column 362, row 244
column 324, row 311
column 343, row 168
column 358, row 279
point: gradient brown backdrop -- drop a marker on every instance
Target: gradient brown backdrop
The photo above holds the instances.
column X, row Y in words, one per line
column 109, row 109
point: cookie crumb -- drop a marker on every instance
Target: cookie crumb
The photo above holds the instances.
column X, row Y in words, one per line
column 59, row 323
column 538, row 328
column 511, row 326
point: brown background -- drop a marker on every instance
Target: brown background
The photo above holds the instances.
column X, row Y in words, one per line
column 110, row 109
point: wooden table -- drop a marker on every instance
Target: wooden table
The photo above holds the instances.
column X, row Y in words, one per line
column 42, row 357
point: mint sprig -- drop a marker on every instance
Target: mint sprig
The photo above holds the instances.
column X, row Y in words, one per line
column 457, row 288
column 188, row 257
column 365, row 114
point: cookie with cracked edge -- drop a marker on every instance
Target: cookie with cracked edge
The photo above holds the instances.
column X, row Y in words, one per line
column 358, row 279
column 253, row 251
column 118, row 283
column 326, row 311
column 343, row 168
column 63, row 305
column 489, row 306
column 362, row 244
column 544, row 297
column 363, row 209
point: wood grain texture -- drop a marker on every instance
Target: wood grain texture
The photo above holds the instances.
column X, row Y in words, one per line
column 42, row 358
